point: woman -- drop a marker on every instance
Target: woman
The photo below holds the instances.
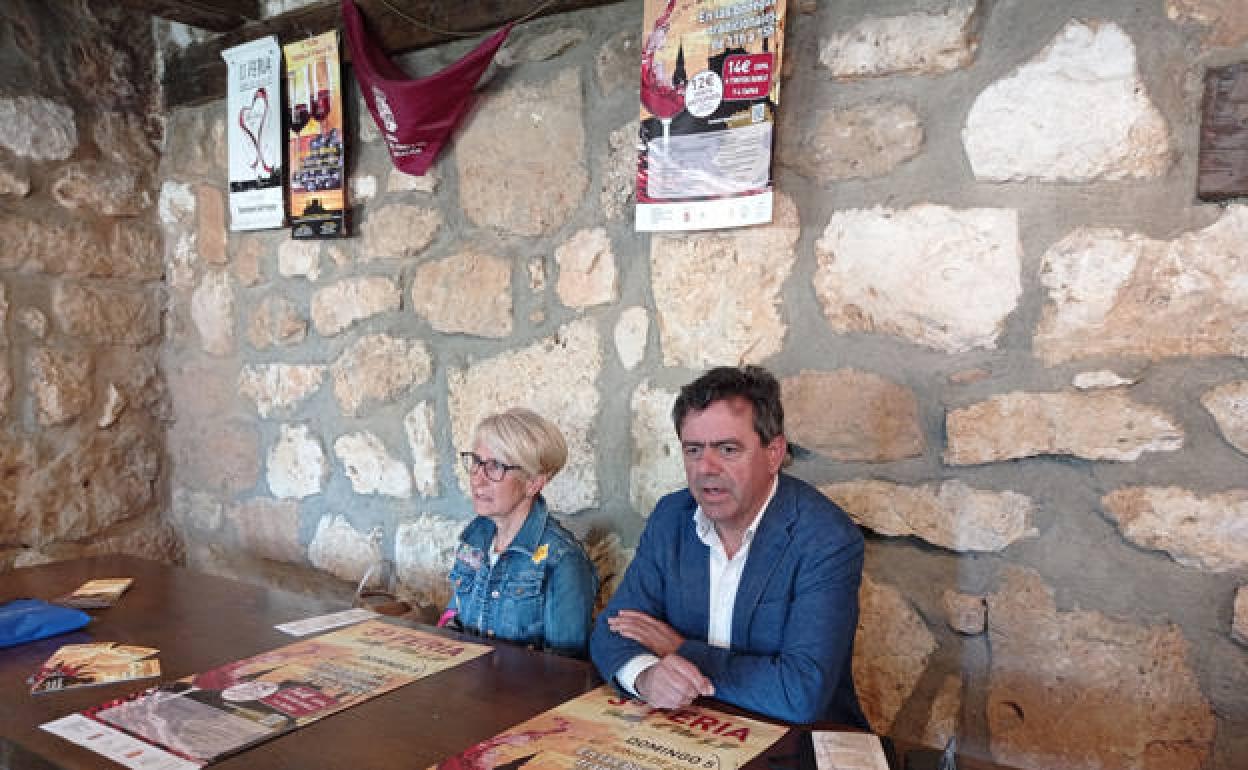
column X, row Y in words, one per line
column 518, row 574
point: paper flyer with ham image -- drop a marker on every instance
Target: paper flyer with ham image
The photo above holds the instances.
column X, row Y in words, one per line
column 602, row 731
column 710, row 86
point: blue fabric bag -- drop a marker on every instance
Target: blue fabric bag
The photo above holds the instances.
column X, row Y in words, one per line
column 25, row 620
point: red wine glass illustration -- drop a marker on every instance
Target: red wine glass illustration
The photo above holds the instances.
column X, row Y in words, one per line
column 658, row 95
column 320, row 105
column 299, row 113
column 318, row 98
column 299, row 117
column 663, row 101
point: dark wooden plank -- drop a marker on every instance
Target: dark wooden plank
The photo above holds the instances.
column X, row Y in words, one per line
column 1223, row 164
column 197, row 75
column 215, row 15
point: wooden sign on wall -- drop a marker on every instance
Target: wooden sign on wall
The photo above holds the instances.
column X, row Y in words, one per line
column 1223, row 170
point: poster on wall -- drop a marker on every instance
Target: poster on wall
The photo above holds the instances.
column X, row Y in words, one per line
column 318, row 201
column 254, row 134
column 710, row 86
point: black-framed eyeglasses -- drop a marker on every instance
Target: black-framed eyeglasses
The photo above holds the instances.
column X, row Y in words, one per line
column 494, row 470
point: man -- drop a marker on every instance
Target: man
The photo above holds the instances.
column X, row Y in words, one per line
column 745, row 585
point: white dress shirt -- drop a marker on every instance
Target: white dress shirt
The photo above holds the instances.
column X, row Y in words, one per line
column 725, row 580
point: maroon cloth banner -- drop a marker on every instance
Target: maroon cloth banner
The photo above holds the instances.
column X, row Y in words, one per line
column 416, row 116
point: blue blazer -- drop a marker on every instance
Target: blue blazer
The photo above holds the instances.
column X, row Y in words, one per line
column 795, row 614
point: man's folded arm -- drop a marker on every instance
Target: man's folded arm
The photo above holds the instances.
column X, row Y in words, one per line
column 798, row 683
column 642, row 590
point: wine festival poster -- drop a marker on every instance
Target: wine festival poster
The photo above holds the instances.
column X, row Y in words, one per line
column 254, row 134
column 710, row 85
column 318, row 200
column 602, row 731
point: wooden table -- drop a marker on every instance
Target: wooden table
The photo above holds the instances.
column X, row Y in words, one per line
column 199, row 622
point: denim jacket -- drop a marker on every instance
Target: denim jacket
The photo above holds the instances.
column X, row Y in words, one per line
column 540, row 592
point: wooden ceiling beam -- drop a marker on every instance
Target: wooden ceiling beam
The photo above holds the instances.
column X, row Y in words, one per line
column 214, row 15
column 197, row 75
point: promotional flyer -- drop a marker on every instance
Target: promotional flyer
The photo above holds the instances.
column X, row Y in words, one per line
column 317, row 162
column 93, row 663
column 254, row 134
column 204, row 717
column 602, row 730
column 710, row 84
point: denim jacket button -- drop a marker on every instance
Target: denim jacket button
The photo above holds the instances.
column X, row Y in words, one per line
column 494, row 594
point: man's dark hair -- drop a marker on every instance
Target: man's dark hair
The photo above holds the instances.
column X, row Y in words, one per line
column 753, row 383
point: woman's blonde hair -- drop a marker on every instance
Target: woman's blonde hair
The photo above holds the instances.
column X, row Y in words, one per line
column 522, row 437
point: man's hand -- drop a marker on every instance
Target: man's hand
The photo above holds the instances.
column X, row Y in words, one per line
column 672, row 683
column 651, row 633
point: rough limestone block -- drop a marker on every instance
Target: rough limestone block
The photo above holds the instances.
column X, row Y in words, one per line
column 555, row 377
column 1203, row 532
column 852, row 416
column 717, row 295
column 950, row 514
column 1096, row 425
column 918, row 42
column 1034, row 124
column 510, row 136
column 1113, row 293
column 891, row 649
column 1078, row 690
column 868, row 260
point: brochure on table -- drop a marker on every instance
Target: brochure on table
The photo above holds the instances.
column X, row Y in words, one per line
column 97, row 594
column 207, row 716
column 600, row 729
column 94, row 663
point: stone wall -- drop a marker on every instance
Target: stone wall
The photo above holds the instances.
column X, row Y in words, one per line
column 82, row 403
column 1010, row 341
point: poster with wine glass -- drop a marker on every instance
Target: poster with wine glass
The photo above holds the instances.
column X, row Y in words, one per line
column 710, row 88
column 318, row 199
column 254, row 134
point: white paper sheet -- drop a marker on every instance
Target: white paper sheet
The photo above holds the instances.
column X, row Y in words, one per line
column 848, row 751
column 114, row 744
column 323, row 622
